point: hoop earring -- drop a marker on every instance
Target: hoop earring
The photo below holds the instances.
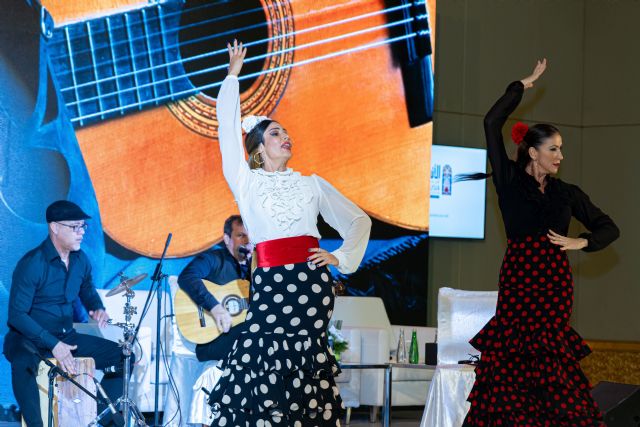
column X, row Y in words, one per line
column 258, row 161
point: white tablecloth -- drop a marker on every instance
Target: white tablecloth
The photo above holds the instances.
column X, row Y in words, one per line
column 447, row 398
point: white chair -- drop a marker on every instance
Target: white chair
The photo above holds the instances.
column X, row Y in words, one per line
column 348, row 381
column 461, row 315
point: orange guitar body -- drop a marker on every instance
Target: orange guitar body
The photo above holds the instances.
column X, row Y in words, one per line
column 346, row 114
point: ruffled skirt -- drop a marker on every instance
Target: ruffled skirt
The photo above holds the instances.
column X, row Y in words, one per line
column 529, row 373
column 280, row 371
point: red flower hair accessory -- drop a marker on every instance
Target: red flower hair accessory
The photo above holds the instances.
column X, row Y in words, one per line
column 518, row 131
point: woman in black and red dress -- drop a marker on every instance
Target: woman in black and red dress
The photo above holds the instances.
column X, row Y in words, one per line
column 529, row 372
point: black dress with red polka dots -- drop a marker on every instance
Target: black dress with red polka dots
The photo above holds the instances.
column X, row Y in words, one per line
column 529, row 372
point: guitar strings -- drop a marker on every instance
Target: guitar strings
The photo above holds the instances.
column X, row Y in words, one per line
column 150, row 52
column 156, row 18
column 248, row 76
column 146, row 35
column 223, row 66
column 178, row 28
column 114, row 60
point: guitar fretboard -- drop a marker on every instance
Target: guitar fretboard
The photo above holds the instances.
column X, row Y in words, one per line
column 120, row 63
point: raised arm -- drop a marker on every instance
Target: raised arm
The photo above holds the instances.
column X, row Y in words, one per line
column 495, row 120
column 234, row 164
column 349, row 220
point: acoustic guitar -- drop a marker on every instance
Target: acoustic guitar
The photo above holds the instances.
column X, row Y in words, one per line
column 351, row 80
column 196, row 324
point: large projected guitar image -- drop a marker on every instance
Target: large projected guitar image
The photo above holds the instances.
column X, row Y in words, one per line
column 351, row 81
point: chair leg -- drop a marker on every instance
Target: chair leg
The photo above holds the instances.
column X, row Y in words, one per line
column 348, row 417
column 373, row 414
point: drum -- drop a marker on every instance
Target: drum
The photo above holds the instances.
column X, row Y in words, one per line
column 71, row 406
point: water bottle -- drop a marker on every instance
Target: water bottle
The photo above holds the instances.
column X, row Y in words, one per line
column 401, row 352
column 414, row 356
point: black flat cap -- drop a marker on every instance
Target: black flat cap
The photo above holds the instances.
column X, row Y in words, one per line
column 64, row 210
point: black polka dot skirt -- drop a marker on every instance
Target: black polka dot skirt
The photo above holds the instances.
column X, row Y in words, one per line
column 529, row 373
column 280, row 371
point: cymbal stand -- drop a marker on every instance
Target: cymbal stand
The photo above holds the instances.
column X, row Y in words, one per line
column 127, row 405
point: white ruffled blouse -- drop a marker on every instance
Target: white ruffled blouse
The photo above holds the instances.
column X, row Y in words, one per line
column 274, row 205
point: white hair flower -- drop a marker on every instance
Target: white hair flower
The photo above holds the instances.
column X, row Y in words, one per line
column 250, row 122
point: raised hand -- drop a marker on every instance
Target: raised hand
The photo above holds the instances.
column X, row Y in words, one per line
column 236, row 57
column 566, row 243
column 537, row 72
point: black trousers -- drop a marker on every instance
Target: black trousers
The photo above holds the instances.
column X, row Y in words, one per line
column 24, row 367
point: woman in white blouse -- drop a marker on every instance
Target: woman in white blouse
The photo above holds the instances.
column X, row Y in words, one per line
column 280, row 370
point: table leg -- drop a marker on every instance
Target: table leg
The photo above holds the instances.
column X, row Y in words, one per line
column 387, row 396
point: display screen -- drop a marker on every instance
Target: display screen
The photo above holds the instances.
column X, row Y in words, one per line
column 457, row 207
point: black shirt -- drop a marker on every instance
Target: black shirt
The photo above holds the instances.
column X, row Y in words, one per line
column 527, row 211
column 216, row 265
column 43, row 290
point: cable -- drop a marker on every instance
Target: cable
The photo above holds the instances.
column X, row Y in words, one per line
column 172, row 382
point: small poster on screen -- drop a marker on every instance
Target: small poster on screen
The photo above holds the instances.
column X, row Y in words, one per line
column 457, row 208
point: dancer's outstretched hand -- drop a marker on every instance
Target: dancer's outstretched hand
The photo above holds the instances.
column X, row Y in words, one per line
column 537, row 72
column 236, row 57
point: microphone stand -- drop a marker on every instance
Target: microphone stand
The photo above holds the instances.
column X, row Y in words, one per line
column 156, row 281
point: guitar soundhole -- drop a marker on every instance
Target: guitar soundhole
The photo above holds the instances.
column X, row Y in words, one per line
column 232, row 304
column 208, row 28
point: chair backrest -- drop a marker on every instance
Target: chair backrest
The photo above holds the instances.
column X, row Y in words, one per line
column 361, row 312
column 461, row 314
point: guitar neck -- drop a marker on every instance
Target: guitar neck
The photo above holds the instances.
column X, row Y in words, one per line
column 125, row 62
column 121, row 63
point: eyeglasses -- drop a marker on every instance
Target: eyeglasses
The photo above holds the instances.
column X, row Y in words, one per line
column 76, row 228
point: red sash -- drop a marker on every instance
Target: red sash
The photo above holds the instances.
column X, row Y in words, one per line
column 289, row 250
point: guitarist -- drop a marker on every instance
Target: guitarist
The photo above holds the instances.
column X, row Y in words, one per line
column 221, row 264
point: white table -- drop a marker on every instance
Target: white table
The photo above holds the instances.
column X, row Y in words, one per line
column 447, row 398
column 388, row 371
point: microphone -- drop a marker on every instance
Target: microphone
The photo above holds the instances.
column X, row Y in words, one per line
column 116, row 417
column 156, row 274
column 244, row 251
column 113, row 369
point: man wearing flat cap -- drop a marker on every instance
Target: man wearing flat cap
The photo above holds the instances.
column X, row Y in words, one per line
column 45, row 283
